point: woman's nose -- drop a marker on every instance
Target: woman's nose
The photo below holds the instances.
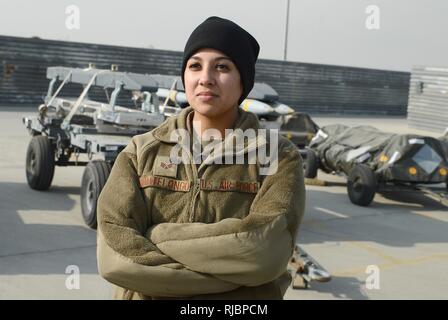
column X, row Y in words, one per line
column 206, row 77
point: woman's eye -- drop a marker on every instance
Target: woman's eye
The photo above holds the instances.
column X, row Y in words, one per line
column 194, row 65
column 222, row 67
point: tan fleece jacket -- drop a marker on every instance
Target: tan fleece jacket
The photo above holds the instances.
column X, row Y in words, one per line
column 220, row 231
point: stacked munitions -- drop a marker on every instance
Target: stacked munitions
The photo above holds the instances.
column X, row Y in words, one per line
column 373, row 160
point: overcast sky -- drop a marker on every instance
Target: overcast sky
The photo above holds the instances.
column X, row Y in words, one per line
column 411, row 32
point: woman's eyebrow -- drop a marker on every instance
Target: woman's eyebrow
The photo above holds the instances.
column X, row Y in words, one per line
column 222, row 58
column 216, row 59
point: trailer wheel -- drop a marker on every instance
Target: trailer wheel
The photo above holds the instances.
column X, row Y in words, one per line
column 93, row 180
column 40, row 163
column 311, row 164
column 361, row 185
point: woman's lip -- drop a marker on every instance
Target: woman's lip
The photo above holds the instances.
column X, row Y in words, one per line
column 206, row 97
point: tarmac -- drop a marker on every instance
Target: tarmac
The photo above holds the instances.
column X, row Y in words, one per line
column 397, row 248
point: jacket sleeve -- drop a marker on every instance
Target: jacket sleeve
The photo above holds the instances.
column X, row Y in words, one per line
column 125, row 256
column 249, row 251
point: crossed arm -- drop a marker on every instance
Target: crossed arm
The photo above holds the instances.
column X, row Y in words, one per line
column 186, row 259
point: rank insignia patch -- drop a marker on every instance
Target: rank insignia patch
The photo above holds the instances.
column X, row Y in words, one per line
column 164, row 167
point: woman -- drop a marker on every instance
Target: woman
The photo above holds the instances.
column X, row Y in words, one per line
column 210, row 229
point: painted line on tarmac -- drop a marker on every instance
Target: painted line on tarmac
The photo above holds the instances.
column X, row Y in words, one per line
column 46, row 251
column 390, row 265
column 331, row 212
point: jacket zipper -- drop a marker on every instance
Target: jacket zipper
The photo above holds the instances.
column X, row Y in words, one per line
column 196, row 190
column 193, row 201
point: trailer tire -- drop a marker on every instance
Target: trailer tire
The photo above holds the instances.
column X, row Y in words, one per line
column 361, row 185
column 40, row 163
column 93, row 180
column 311, row 164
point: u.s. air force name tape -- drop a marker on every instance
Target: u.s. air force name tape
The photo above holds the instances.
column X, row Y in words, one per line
column 207, row 185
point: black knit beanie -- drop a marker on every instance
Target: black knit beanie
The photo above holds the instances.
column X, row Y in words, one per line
column 229, row 38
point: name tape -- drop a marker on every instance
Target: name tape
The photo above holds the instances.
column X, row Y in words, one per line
column 208, row 185
column 164, row 183
column 230, row 185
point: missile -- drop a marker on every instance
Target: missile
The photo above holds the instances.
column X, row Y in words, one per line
column 176, row 96
column 282, row 109
column 257, row 107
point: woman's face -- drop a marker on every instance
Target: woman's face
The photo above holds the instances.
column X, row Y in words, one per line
column 212, row 83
